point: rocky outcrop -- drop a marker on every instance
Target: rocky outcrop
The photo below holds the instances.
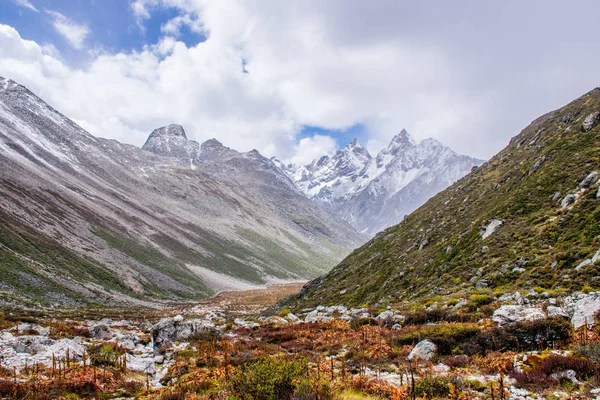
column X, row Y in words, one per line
column 492, row 227
column 509, row 314
column 582, row 307
column 171, row 141
column 590, row 121
column 169, row 330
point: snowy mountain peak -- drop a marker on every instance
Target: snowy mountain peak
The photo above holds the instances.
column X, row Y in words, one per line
column 374, row 193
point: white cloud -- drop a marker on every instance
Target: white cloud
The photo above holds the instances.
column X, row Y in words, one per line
column 73, row 32
column 331, row 64
column 311, row 148
column 26, row 4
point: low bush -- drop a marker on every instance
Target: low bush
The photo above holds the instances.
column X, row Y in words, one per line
column 446, row 336
column 267, row 379
column 542, row 373
column 589, row 350
column 433, row 386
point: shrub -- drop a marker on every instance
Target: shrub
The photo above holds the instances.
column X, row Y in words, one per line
column 267, row 379
column 103, row 355
column 284, row 312
column 589, row 350
column 526, row 335
column 478, row 300
column 432, row 386
column 542, row 372
column 459, row 361
column 446, row 337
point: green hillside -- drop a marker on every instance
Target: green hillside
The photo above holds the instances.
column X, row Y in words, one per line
column 440, row 250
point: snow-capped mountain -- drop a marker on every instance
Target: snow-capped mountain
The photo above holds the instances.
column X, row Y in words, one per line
column 374, row 193
column 89, row 220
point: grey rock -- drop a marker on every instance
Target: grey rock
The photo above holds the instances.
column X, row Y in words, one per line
column 101, row 331
column 492, row 227
column 167, row 330
column 424, row 350
column 590, row 121
column 583, row 307
column 508, row 314
column 554, row 311
column 568, row 200
column 589, row 180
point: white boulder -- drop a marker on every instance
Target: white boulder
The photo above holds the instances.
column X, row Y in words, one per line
column 424, row 350
column 509, row 314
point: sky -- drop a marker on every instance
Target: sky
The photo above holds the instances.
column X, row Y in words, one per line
column 300, row 79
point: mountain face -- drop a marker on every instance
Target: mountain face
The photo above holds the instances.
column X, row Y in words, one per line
column 85, row 220
column 375, row 193
column 528, row 218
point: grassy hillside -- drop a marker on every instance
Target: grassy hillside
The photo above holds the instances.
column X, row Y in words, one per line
column 440, row 249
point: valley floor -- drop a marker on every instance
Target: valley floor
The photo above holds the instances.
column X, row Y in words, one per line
column 234, row 346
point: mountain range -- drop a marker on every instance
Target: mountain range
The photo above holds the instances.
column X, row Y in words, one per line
column 86, row 220
column 528, row 219
column 373, row 193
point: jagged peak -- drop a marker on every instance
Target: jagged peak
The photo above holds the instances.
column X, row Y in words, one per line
column 431, row 142
column 211, row 144
column 402, row 138
column 172, row 130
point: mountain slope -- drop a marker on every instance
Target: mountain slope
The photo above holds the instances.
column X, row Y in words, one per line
column 375, row 193
column 528, row 218
column 88, row 220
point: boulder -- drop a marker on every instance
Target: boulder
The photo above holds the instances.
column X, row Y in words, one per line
column 582, row 307
column 101, row 331
column 242, row 323
column 590, row 121
column 292, row 318
column 424, row 350
column 554, row 311
column 509, row 314
column 384, row 316
column 589, row 180
column 168, row 330
column 491, row 228
column 139, row 364
column 568, row 200
column 276, row 321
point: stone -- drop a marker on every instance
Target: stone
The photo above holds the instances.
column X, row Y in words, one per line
column 554, row 311
column 276, row 321
column 589, row 180
column 509, row 314
column 569, row 374
column 582, row 307
column 568, row 200
column 293, row 318
column 139, row 364
column 167, row 330
column 178, row 318
column 556, row 196
column 491, row 228
column 590, row 121
column 384, row 316
column 101, row 331
column 583, row 264
column 242, row 323
column 424, row 350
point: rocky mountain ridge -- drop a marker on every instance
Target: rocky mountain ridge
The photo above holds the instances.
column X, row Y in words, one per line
column 373, row 193
column 85, row 220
